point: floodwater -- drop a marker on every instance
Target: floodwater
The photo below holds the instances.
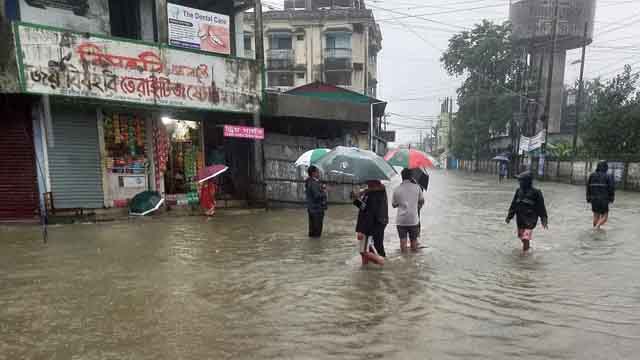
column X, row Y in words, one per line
column 254, row 287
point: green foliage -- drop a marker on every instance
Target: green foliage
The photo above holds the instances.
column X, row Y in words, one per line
column 484, row 57
column 613, row 125
column 561, row 151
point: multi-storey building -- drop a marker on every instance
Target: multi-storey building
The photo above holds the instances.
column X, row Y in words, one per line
column 330, row 41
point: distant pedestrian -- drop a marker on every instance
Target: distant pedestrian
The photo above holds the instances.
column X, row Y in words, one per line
column 373, row 217
column 527, row 206
column 503, row 171
column 601, row 191
column 408, row 199
column 316, row 194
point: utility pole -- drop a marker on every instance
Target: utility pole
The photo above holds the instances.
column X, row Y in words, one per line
column 450, row 135
column 547, row 102
column 258, row 156
column 580, row 91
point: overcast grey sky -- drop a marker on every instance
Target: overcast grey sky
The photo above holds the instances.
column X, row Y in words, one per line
column 412, row 79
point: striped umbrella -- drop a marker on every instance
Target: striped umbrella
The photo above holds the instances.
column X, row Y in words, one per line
column 311, row 157
column 409, row 159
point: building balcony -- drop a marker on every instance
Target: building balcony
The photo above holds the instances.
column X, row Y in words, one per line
column 280, row 59
column 338, row 59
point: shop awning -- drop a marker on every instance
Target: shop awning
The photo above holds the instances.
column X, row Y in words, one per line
column 323, row 102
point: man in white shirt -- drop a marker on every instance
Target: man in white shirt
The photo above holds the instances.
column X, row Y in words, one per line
column 408, row 199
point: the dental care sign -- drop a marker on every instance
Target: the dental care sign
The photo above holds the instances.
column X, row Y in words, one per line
column 198, row 29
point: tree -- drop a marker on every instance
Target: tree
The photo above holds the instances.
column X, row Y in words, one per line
column 484, row 57
column 612, row 129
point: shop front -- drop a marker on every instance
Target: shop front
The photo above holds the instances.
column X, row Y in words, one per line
column 185, row 157
column 126, row 117
column 18, row 182
column 128, row 155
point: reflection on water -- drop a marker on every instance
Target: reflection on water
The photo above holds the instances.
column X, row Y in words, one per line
column 255, row 287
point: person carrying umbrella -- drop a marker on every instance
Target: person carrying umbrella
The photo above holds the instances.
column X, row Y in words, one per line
column 316, row 194
column 364, row 167
column 408, row 199
column 503, row 171
column 373, row 217
column 208, row 187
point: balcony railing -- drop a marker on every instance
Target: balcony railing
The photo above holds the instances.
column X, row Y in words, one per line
column 280, row 59
column 337, row 59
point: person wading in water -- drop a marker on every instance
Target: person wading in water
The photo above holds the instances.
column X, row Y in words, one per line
column 316, row 194
column 527, row 206
column 601, row 192
column 373, row 217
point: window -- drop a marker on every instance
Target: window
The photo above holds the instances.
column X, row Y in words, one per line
column 338, row 78
column 300, row 75
column 339, row 41
column 300, row 37
column 247, row 42
column 280, row 42
column 125, row 18
column 280, row 79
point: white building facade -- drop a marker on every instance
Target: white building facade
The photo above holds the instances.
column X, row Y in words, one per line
column 331, row 41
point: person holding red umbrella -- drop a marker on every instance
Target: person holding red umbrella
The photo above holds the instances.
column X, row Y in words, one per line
column 209, row 188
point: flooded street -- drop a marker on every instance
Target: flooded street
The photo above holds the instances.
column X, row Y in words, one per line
column 255, row 287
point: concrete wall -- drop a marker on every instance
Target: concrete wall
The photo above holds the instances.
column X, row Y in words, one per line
column 284, row 181
column 627, row 175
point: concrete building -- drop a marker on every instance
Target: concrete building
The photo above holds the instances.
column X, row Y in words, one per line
column 444, row 132
column 533, row 22
column 329, row 41
column 109, row 98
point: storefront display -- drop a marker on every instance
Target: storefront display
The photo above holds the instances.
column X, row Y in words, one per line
column 126, row 161
column 185, row 159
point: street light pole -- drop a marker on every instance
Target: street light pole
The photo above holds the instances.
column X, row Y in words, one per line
column 580, row 91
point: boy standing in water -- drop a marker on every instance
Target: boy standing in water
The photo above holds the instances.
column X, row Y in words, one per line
column 601, row 192
column 527, row 206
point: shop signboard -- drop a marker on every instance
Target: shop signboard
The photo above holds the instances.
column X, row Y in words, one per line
column 56, row 62
column 243, row 132
column 533, row 143
column 198, row 29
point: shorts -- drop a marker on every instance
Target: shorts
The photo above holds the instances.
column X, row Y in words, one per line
column 600, row 206
column 412, row 232
column 525, row 234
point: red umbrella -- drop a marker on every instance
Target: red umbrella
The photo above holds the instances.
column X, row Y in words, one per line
column 409, row 159
column 211, row 172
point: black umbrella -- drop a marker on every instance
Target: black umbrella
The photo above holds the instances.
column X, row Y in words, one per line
column 358, row 165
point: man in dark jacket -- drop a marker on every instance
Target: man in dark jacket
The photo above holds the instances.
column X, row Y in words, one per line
column 601, row 192
column 316, row 194
column 527, row 206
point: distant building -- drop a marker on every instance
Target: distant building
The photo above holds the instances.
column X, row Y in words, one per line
column 335, row 42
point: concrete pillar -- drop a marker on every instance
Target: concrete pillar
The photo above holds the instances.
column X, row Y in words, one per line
column 557, row 89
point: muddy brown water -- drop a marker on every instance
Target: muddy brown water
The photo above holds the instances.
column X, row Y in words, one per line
column 254, row 287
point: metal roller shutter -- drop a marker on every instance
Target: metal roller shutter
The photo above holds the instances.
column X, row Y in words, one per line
column 18, row 180
column 74, row 159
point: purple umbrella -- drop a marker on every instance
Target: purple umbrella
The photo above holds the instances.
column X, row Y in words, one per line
column 211, row 172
